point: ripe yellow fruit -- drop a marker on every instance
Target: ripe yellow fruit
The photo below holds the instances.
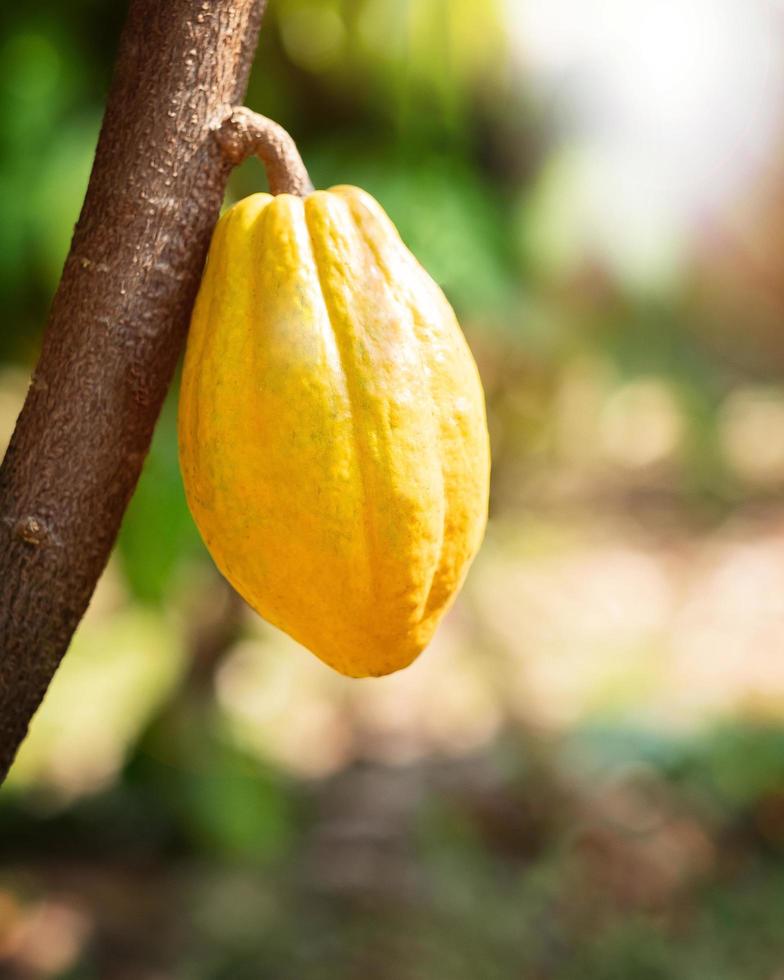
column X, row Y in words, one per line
column 332, row 430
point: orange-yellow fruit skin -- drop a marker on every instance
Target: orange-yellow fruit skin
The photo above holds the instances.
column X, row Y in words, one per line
column 332, row 431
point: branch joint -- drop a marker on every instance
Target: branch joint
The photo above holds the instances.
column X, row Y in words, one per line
column 32, row 530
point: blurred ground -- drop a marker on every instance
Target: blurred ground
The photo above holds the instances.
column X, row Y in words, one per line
column 584, row 775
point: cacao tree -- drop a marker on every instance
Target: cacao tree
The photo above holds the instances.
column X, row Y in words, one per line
column 117, row 324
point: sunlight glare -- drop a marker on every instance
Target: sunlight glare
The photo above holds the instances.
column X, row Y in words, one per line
column 680, row 97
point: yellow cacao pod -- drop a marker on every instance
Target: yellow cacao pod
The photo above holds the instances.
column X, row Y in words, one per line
column 332, row 430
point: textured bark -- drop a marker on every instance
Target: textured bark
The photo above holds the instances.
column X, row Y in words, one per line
column 115, row 330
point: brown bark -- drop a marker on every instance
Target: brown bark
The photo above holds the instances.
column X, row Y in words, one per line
column 115, row 330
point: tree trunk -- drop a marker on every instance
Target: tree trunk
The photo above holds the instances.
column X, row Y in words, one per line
column 116, row 328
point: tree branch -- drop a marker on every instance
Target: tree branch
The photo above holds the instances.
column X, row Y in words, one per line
column 115, row 330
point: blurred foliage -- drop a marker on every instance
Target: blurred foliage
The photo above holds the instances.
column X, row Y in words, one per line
column 557, row 789
column 499, row 865
column 158, row 535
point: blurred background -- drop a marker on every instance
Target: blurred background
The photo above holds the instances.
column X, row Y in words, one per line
column 583, row 777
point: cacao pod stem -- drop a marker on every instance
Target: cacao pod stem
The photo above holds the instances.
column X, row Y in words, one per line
column 244, row 133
